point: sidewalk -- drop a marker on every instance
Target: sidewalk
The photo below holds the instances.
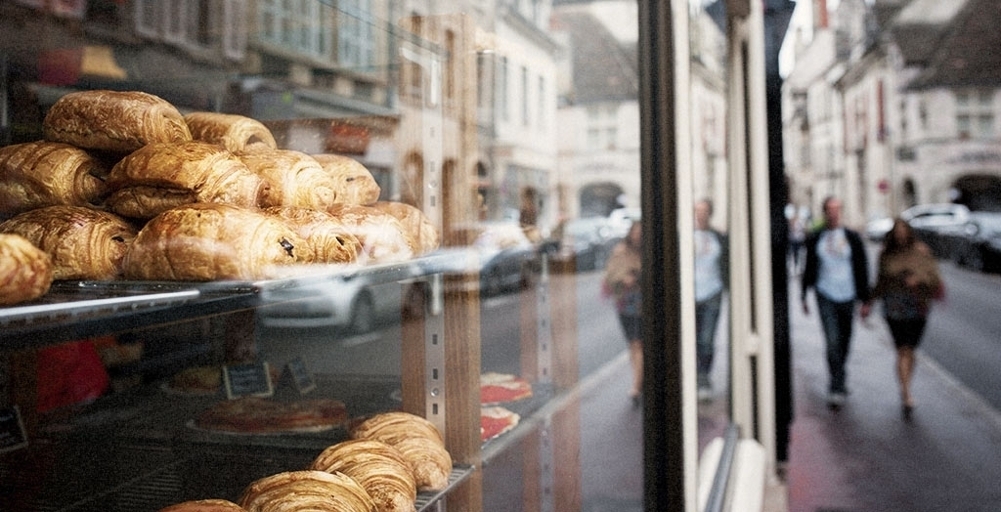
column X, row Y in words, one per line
column 865, row 457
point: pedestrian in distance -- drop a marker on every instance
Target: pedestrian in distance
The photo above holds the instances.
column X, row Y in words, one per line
column 622, row 282
column 837, row 270
column 907, row 281
column 711, row 276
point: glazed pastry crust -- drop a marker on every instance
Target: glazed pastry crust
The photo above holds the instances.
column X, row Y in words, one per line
column 330, row 240
column 83, row 243
column 378, row 467
column 354, row 183
column 418, row 441
column 25, row 270
column 114, row 121
column 306, row 490
column 232, row 131
column 40, row 173
column 213, row 241
column 207, row 505
column 383, row 237
column 295, row 178
column 423, row 235
column 162, row 176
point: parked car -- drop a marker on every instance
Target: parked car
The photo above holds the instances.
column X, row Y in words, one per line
column 499, row 251
column 355, row 301
column 621, row 218
column 977, row 244
column 931, row 221
column 877, row 228
column 590, row 240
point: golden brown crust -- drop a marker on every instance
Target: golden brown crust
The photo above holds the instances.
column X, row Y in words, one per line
column 25, row 270
column 417, row 439
column 115, row 121
column 232, row 131
column 295, row 178
column 306, row 490
column 207, row 505
column 83, row 243
column 254, row 415
column 383, row 237
column 378, row 467
column 330, row 240
column 213, row 241
column 354, row 183
column 424, row 236
column 161, row 176
column 40, row 173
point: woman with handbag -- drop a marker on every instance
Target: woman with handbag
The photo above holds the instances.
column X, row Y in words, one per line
column 907, row 282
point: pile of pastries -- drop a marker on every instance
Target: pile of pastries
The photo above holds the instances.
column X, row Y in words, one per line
column 387, row 460
column 125, row 186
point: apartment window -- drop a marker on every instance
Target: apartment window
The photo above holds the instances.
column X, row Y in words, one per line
column 975, row 113
column 355, row 39
column 602, row 127
column 524, row 96
column 541, row 99
column 234, row 30
column 502, row 100
column 297, row 25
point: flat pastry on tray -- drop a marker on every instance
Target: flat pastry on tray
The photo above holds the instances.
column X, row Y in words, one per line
column 161, row 176
column 25, row 270
column 232, row 131
column 83, row 243
column 255, row 415
column 114, row 121
column 40, row 173
column 206, row 505
column 213, row 241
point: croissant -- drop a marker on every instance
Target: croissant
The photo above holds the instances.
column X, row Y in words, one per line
column 210, row 241
column 354, row 183
column 234, row 132
column 316, row 491
column 417, row 439
column 383, row 237
column 83, row 243
column 207, row 505
column 115, row 121
column 161, row 176
column 295, row 178
column 330, row 240
column 37, row 174
column 423, row 235
column 378, row 467
column 25, row 270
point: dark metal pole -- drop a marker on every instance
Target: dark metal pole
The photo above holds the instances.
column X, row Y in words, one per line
column 663, row 435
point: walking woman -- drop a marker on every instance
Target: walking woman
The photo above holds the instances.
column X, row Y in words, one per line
column 907, row 281
column 622, row 280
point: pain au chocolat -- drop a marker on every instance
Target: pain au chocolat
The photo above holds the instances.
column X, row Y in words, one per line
column 83, row 243
column 354, row 183
column 25, row 270
column 331, row 241
column 316, row 491
column 114, row 121
column 41, row 173
column 206, row 505
column 213, row 241
column 294, row 178
column 232, row 131
column 417, row 439
column 383, row 237
column 161, row 176
column 378, row 467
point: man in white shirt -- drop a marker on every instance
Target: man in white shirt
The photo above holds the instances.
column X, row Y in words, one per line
column 837, row 269
column 711, row 265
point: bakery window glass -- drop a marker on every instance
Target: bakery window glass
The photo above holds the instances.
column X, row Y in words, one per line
column 371, row 254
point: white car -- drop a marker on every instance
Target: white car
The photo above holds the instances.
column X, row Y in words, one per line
column 355, row 301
